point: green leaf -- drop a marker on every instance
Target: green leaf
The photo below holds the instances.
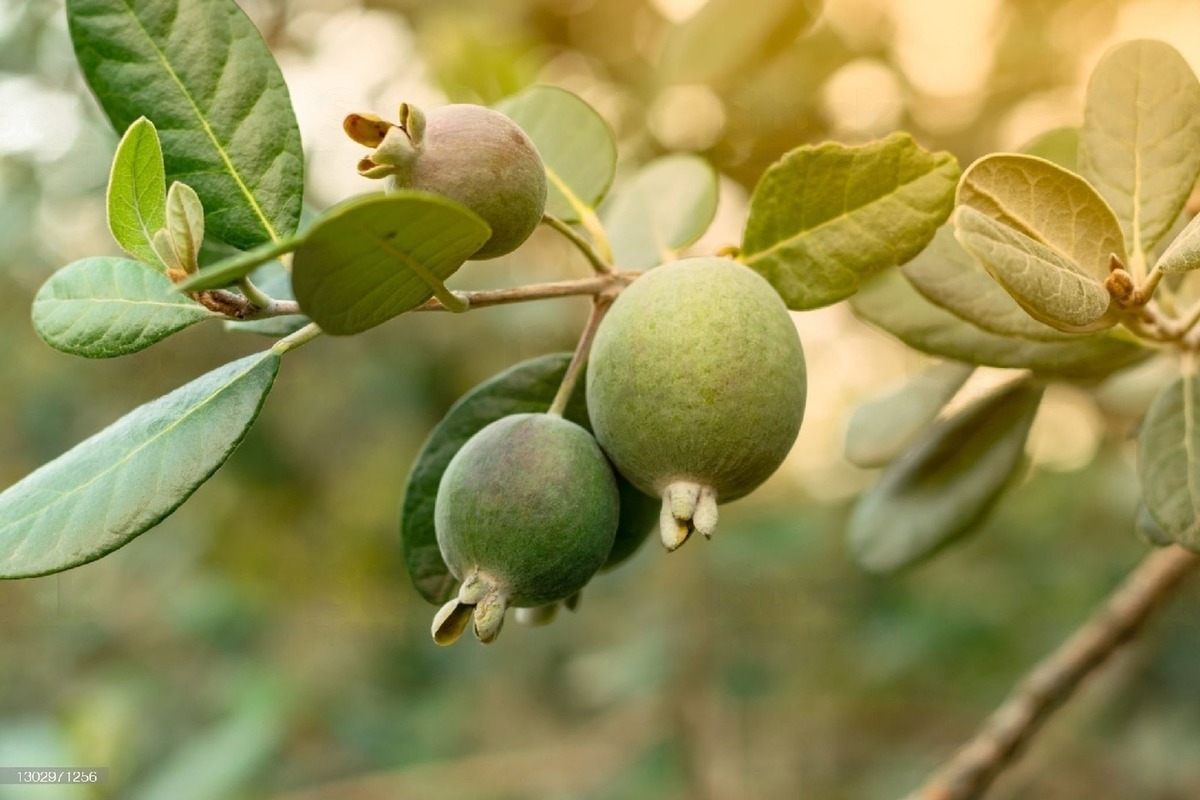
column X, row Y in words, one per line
column 825, row 217
column 528, row 387
column 1140, row 143
column 575, row 143
column 230, row 270
column 376, row 256
column 883, row 428
column 184, row 230
column 98, row 496
column 1058, row 146
column 946, row 484
column 1183, row 254
column 102, row 307
column 1169, row 461
column 950, row 277
column 137, row 192
column 200, row 71
column 1051, row 205
column 889, row 302
column 1052, row 289
column 725, row 39
column 668, row 205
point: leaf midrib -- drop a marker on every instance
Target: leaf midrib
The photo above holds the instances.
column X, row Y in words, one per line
column 846, row 214
column 229, row 166
column 11, row 524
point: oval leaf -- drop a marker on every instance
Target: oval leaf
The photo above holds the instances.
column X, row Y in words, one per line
column 1052, row 289
column 200, row 71
column 1183, row 254
column 1058, row 146
column 946, row 484
column 528, row 387
column 825, row 217
column 137, row 192
column 1056, row 208
column 890, row 302
column 376, row 256
column 102, row 307
column 668, row 205
column 950, row 277
column 108, row 489
column 725, row 39
column 575, row 143
column 1169, row 461
column 1140, row 143
column 883, row 428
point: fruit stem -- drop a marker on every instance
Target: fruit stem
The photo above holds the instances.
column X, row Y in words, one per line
column 298, row 339
column 254, row 294
column 575, row 368
column 591, row 223
column 600, row 264
column 533, row 291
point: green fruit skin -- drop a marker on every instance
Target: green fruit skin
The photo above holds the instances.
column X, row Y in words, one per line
column 531, row 503
column 482, row 159
column 697, row 374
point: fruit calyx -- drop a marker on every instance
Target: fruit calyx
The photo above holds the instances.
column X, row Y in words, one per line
column 396, row 145
column 479, row 599
column 686, row 507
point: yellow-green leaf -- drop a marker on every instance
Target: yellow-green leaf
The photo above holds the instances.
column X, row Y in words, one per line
column 950, row 277
column 1051, row 205
column 137, row 192
column 825, row 217
column 1169, row 461
column 889, row 302
column 1140, row 143
column 1052, row 289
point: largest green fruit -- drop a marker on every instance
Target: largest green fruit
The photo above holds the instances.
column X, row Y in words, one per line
column 525, row 515
column 696, row 387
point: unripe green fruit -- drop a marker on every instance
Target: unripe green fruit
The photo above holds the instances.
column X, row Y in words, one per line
column 525, row 515
column 696, row 387
column 468, row 153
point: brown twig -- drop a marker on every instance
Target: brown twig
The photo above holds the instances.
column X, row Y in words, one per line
column 236, row 306
column 969, row 773
column 579, row 358
column 536, row 291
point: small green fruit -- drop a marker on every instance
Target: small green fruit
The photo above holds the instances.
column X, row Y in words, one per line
column 469, row 153
column 525, row 515
column 696, row 388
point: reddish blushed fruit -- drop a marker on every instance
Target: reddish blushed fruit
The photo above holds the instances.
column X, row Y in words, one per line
column 468, row 153
column 526, row 513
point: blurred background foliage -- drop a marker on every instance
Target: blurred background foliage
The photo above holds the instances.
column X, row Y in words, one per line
column 264, row 641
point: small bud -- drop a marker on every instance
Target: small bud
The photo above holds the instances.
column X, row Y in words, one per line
column 1119, row 284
